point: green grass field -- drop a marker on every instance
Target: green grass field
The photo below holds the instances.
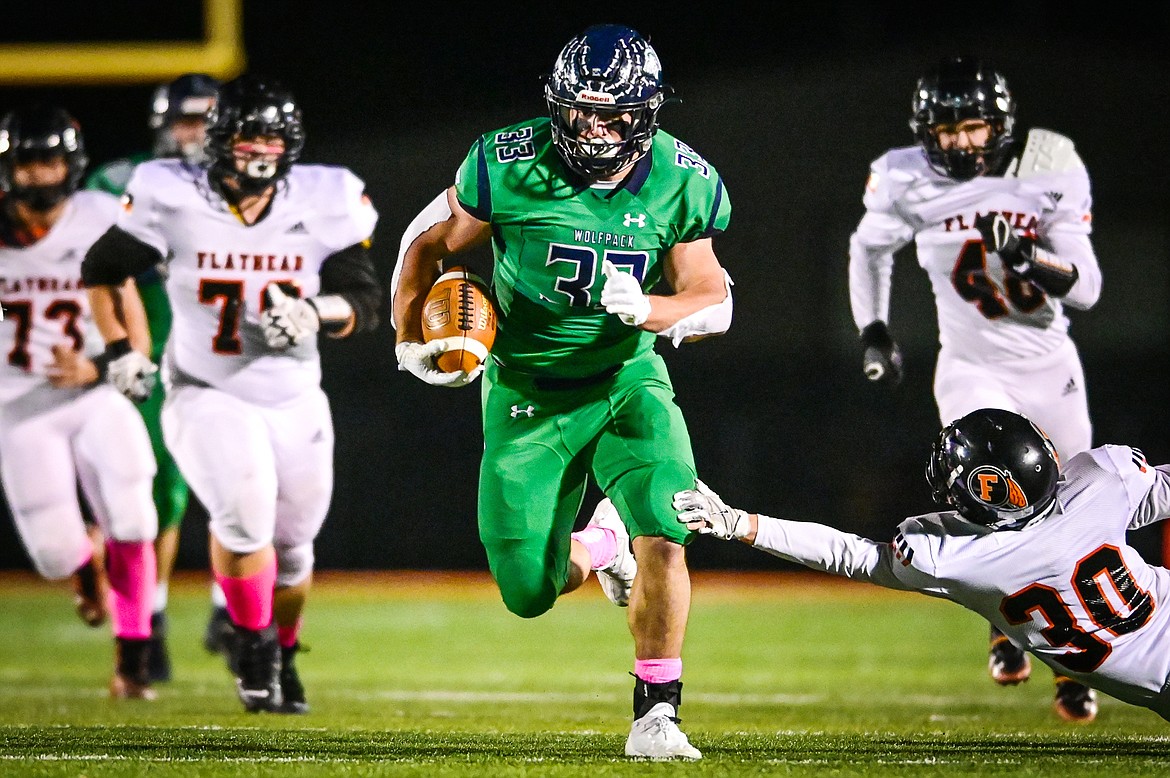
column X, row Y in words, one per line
column 428, row 675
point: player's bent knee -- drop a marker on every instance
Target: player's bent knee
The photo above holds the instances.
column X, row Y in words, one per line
column 133, row 522
column 525, row 594
column 238, row 538
column 293, row 565
column 56, row 561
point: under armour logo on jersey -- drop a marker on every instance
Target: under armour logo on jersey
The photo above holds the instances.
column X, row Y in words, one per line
column 631, row 220
column 1056, row 196
column 1070, row 387
column 517, row 410
column 297, row 229
column 902, row 551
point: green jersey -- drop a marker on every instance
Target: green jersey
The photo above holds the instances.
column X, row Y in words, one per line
column 113, row 176
column 551, row 232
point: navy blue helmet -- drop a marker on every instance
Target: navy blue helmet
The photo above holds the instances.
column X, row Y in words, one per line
column 39, row 133
column 189, row 95
column 609, row 69
column 958, row 88
column 996, row 468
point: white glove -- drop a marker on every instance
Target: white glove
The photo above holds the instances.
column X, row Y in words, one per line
column 622, row 295
column 419, row 358
column 288, row 320
column 131, row 372
column 702, row 510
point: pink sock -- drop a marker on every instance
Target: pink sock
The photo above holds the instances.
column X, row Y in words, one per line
column 601, row 543
column 288, row 635
column 658, row 670
column 249, row 599
column 133, row 574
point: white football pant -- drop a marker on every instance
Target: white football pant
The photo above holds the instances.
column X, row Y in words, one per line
column 60, row 439
column 1049, row 390
column 264, row 474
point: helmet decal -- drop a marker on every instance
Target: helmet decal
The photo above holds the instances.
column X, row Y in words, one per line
column 993, row 486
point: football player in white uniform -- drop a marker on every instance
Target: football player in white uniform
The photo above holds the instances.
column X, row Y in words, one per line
column 261, row 255
column 1000, row 222
column 61, row 425
column 178, row 119
column 1036, row 549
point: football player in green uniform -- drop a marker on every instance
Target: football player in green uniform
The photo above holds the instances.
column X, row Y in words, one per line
column 178, row 118
column 587, row 210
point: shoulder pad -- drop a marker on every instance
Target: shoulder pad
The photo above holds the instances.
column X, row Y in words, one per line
column 1046, row 151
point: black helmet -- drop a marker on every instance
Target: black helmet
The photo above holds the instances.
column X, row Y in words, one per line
column 959, row 88
column 191, row 94
column 608, row 67
column 996, row 468
column 41, row 132
column 251, row 106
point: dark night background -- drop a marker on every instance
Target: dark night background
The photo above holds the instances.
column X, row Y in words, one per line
column 790, row 106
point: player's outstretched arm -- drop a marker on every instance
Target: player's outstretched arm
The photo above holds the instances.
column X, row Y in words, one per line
column 813, row 545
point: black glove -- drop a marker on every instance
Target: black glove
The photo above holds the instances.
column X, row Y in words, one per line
column 1024, row 257
column 882, row 360
column 998, row 236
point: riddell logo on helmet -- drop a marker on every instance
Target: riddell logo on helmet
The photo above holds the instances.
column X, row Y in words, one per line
column 598, row 98
column 995, row 487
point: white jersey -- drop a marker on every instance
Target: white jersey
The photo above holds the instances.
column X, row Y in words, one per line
column 984, row 314
column 218, row 268
column 1067, row 588
column 44, row 300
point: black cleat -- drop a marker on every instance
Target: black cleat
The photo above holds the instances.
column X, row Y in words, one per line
column 217, row 637
column 131, row 680
column 1074, row 701
column 255, row 661
column 159, row 664
column 1008, row 663
column 291, row 687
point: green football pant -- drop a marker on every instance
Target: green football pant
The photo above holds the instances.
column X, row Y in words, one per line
column 540, row 446
column 170, row 489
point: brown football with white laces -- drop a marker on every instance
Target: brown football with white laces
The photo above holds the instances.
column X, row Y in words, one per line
column 459, row 311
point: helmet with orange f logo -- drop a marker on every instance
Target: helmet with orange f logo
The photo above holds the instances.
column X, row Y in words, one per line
column 996, row 468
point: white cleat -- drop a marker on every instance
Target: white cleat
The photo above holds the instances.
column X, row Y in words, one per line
column 657, row 736
column 616, row 578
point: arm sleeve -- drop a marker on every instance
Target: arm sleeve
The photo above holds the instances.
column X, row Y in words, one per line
column 823, row 548
column 116, row 256
column 350, row 274
column 1155, row 506
column 436, row 211
column 879, row 235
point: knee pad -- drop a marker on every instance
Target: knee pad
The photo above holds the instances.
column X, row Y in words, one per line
column 644, row 497
column 57, row 558
column 293, row 564
column 526, row 586
column 130, row 512
column 239, row 536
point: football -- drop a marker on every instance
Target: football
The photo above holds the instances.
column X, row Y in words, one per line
column 459, row 311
